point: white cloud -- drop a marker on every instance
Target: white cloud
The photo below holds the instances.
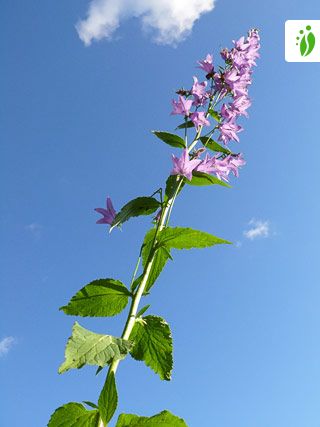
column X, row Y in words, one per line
column 258, row 229
column 5, row 345
column 34, row 228
column 170, row 21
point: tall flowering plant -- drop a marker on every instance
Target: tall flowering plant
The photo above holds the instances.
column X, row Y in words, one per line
column 210, row 110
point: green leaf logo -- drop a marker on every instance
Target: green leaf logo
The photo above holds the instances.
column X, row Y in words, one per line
column 306, row 41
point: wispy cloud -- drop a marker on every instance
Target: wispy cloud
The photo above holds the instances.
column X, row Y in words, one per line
column 34, row 228
column 5, row 345
column 169, row 21
column 257, row 229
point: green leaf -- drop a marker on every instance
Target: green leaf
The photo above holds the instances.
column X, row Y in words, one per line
column 214, row 114
column 143, row 310
column 171, row 186
column 213, row 145
column 147, row 245
column 164, row 419
column 184, row 125
column 99, row 369
column 136, row 207
column 152, row 343
column 74, row 415
column 201, row 178
column 103, row 297
column 170, row 139
column 187, row 238
column 136, row 282
column 108, row 399
column 91, row 404
column 88, row 348
column 160, row 259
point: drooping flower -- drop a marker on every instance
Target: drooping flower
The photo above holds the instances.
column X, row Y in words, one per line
column 231, row 77
column 199, row 93
column 240, row 44
column 245, row 51
column 220, row 85
column 221, row 167
column 108, row 214
column 207, row 64
column 212, row 165
column 182, row 106
column 183, row 165
column 235, row 161
column 228, row 113
column 199, row 119
column 225, row 54
column 241, row 104
column 237, row 81
column 228, row 131
column 237, row 108
column 206, row 165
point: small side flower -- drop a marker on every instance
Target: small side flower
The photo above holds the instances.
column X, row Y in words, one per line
column 108, row 214
column 183, row 165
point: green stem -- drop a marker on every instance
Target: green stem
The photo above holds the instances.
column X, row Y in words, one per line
column 164, row 219
column 179, row 183
column 139, row 293
column 135, row 270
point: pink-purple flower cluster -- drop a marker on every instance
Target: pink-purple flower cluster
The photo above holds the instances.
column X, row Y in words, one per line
column 234, row 82
column 229, row 87
column 217, row 165
column 221, row 167
column 183, row 106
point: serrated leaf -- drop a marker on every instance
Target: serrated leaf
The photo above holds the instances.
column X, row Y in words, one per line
column 152, row 343
column 214, row 146
column 88, row 348
column 103, row 297
column 170, row 139
column 136, row 282
column 143, row 310
column 188, row 124
column 201, row 178
column 74, row 415
column 147, row 245
column 136, row 207
column 163, row 419
column 171, row 186
column 187, row 238
column 108, row 399
column 91, row 404
column 160, row 259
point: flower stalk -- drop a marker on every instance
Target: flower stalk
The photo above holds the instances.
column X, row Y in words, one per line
column 108, row 297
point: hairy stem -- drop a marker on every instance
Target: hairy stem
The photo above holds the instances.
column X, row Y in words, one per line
column 138, row 295
column 164, row 219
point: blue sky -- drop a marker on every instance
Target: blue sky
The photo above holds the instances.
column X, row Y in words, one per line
column 77, row 120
